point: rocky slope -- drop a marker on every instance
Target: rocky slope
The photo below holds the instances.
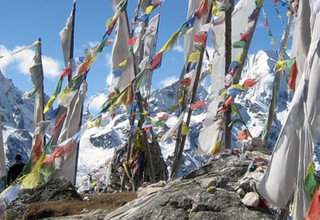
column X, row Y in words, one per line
column 221, row 189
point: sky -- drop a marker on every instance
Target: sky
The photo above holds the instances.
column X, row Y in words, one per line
column 23, row 22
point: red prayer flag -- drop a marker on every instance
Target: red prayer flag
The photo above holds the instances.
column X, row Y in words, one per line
column 132, row 41
column 201, row 38
column 202, row 9
column 36, row 151
column 314, row 209
column 293, row 76
column 244, row 36
column 54, row 129
column 111, row 95
column 185, row 82
column 266, row 23
column 65, row 72
column 57, row 153
column 198, row 104
column 165, row 116
column 249, row 83
column 156, row 62
column 156, row 3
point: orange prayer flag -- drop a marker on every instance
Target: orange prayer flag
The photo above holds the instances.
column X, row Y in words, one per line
column 229, row 101
column 243, row 135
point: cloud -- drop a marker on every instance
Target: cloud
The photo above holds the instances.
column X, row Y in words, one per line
column 168, row 81
column 22, row 61
column 178, row 48
column 108, row 59
column 97, row 101
column 93, row 43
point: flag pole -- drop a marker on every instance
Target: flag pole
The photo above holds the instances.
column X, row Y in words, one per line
column 38, row 98
column 276, row 83
column 70, row 64
column 180, row 144
column 228, row 55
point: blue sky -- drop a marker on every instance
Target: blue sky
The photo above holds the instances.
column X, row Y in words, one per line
column 22, row 22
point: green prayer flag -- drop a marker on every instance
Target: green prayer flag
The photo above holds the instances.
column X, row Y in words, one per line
column 239, row 44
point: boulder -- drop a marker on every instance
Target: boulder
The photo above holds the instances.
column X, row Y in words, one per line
column 209, row 192
column 54, row 190
column 251, row 199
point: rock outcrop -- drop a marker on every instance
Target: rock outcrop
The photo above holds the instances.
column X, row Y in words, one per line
column 223, row 189
column 209, row 192
column 57, row 189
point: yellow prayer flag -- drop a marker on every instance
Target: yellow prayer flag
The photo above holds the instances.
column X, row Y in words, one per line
column 33, row 180
column 95, row 123
column 234, row 110
column 185, row 129
column 238, row 86
column 111, row 20
column 123, row 63
column 273, row 42
column 170, row 42
column 65, row 96
column 239, row 57
column 149, row 9
column 216, row 148
column 194, row 57
column 49, row 104
column 216, row 9
column 281, row 65
column 224, row 93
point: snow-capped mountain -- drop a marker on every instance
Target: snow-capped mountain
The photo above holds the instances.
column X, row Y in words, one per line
column 17, row 120
column 97, row 145
column 253, row 105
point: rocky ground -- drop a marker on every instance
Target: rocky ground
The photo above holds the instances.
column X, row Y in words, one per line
column 59, row 198
column 225, row 188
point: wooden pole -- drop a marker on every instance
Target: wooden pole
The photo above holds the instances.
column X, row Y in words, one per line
column 179, row 147
column 72, row 43
column 141, row 121
column 70, row 84
column 244, row 55
column 228, row 56
column 39, row 100
column 276, row 83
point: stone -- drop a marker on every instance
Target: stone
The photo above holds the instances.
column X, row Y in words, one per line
column 241, row 192
column 251, row 199
column 142, row 192
column 211, row 189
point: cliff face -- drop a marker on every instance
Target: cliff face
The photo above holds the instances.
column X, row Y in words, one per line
column 17, row 120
